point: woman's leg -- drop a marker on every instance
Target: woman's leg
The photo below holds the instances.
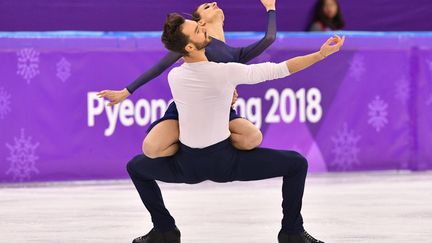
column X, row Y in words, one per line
column 244, row 134
column 162, row 139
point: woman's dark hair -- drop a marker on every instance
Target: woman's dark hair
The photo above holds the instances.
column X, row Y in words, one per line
column 195, row 15
column 318, row 15
column 172, row 36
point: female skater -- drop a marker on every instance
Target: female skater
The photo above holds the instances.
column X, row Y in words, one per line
column 162, row 139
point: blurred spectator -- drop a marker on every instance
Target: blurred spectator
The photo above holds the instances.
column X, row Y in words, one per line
column 326, row 16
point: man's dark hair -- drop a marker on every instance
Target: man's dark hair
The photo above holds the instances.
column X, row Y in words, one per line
column 172, row 36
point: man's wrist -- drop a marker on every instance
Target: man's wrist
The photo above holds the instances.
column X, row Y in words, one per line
column 322, row 55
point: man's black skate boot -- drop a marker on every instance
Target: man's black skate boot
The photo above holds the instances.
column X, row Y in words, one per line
column 172, row 236
column 303, row 237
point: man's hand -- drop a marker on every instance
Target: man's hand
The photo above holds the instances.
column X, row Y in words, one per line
column 331, row 46
column 114, row 96
column 234, row 99
column 269, row 4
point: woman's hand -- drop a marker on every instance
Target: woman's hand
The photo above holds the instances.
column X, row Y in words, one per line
column 114, row 96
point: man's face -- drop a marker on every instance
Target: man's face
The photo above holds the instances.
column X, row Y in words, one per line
column 198, row 38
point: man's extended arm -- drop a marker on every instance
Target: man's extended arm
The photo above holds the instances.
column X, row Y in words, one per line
column 299, row 63
column 256, row 73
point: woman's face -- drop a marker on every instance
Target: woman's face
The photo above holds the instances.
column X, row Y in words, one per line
column 330, row 8
column 210, row 12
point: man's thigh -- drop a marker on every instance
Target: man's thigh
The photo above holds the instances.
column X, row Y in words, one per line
column 264, row 163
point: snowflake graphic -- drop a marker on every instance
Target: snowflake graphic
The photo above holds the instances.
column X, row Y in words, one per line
column 357, row 68
column 22, row 158
column 378, row 113
column 63, row 69
column 345, row 149
column 28, row 63
column 403, row 90
column 4, row 103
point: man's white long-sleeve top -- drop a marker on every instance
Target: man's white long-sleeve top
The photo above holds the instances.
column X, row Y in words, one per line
column 203, row 93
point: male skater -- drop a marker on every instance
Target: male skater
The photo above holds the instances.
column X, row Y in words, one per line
column 205, row 88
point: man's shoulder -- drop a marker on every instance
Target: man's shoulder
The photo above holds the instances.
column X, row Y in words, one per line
column 226, row 64
column 224, row 68
column 176, row 70
column 173, row 74
column 202, row 67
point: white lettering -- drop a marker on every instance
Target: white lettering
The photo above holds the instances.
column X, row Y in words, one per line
column 145, row 107
column 254, row 104
column 126, row 113
column 112, row 115
column 92, row 110
column 158, row 104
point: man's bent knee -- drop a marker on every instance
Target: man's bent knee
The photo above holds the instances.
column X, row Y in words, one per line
column 303, row 162
column 131, row 165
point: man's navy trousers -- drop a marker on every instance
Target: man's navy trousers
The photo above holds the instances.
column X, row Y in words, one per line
column 220, row 162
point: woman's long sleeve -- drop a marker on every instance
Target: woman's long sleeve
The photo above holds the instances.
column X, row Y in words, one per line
column 167, row 61
column 250, row 52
